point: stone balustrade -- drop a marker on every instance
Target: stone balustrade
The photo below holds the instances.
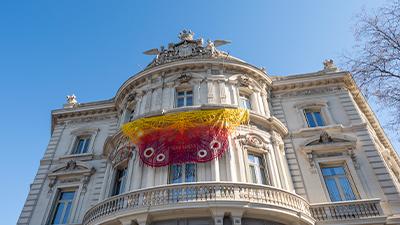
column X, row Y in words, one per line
column 170, row 196
column 347, row 210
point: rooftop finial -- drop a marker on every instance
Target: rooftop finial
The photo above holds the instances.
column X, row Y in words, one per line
column 186, row 35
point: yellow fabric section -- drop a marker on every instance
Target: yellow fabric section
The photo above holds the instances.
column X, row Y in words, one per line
column 181, row 121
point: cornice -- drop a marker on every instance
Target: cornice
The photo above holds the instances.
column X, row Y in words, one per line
column 307, row 81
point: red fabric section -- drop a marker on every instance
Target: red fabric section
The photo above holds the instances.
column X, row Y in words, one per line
column 167, row 146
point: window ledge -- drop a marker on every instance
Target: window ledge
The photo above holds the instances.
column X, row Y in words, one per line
column 307, row 131
column 82, row 157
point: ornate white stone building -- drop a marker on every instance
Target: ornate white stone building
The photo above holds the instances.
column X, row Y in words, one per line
column 312, row 151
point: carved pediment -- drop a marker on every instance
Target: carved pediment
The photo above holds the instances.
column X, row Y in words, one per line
column 326, row 139
column 71, row 171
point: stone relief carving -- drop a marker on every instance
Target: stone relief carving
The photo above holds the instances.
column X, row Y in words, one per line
column 184, row 78
column 72, row 171
column 253, row 140
column 122, row 152
column 186, row 48
column 244, row 81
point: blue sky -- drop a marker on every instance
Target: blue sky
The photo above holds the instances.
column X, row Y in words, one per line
column 49, row 49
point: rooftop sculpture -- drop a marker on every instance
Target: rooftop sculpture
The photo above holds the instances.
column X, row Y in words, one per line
column 186, row 48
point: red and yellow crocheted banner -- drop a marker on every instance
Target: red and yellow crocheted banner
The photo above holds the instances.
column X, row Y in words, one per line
column 184, row 137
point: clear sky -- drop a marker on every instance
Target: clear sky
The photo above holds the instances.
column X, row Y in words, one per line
column 49, row 49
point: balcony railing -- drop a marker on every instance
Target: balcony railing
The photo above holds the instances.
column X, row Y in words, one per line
column 347, row 210
column 173, row 195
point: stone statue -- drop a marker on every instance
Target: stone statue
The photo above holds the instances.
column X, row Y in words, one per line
column 71, row 99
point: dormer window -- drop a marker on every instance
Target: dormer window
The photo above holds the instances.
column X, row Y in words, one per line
column 314, row 117
column 184, row 98
column 81, row 145
column 244, row 101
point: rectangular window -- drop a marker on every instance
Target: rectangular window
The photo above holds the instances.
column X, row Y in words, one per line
column 244, row 102
column 184, row 98
column 314, row 118
column 62, row 209
column 120, row 181
column 338, row 183
column 257, row 169
column 81, row 145
column 182, row 173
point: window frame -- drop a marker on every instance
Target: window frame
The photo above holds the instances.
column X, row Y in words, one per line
column 118, row 179
column 185, row 97
column 317, row 104
column 183, row 176
column 262, row 167
column 86, row 145
column 247, row 98
column 351, row 179
column 56, row 200
column 312, row 111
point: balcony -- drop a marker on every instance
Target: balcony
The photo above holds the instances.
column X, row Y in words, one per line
column 261, row 199
column 368, row 210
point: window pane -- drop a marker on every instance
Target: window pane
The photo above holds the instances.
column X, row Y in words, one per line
column 319, row 119
column 189, row 101
column 66, row 214
column 247, row 104
column 67, row 195
column 181, row 93
column 58, row 213
column 176, row 174
column 333, row 190
column 338, row 170
column 251, row 158
column 310, row 120
column 190, row 173
column 79, row 146
column 347, row 190
column 263, row 177
column 253, row 174
column 180, row 102
column 189, row 92
column 85, row 148
column 327, row 171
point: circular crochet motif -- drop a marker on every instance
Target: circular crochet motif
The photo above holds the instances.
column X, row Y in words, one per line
column 148, row 152
column 160, row 157
column 202, row 153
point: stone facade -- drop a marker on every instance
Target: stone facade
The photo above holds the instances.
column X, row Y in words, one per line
column 87, row 150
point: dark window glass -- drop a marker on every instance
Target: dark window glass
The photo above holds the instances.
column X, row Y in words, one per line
column 182, row 173
column 184, row 98
column 120, row 180
column 63, row 205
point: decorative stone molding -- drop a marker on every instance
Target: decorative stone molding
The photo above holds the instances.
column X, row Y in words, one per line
column 71, row 171
column 309, row 92
column 326, row 145
column 253, row 140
